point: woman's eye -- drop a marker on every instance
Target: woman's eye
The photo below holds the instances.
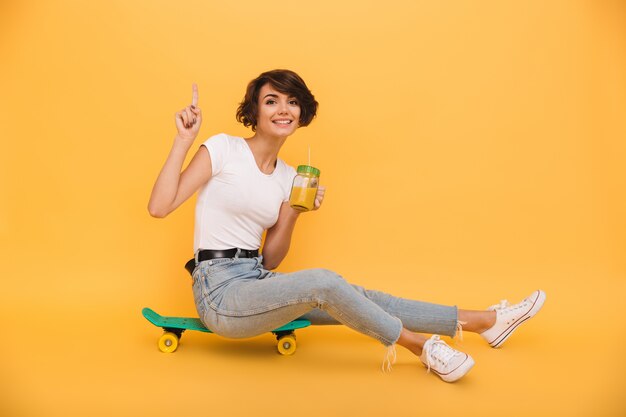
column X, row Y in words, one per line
column 293, row 102
column 270, row 102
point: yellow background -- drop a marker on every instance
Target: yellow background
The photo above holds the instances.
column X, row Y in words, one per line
column 472, row 151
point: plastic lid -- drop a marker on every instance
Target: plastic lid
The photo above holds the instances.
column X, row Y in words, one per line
column 307, row 169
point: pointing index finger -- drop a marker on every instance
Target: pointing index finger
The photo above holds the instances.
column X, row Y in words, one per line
column 194, row 95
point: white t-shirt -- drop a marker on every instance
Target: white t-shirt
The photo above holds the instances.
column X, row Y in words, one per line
column 239, row 202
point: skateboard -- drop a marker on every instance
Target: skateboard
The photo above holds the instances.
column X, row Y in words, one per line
column 175, row 326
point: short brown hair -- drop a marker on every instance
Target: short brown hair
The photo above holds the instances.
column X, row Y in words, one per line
column 284, row 81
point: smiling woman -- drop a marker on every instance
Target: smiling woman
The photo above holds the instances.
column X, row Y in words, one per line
column 281, row 81
column 243, row 191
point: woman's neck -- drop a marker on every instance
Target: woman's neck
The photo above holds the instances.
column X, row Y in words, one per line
column 265, row 150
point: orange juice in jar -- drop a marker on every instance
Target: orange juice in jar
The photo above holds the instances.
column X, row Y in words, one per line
column 304, row 188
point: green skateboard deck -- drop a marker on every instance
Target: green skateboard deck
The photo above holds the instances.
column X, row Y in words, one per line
column 175, row 326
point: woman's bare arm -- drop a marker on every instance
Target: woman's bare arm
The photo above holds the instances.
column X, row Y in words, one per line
column 172, row 187
column 278, row 237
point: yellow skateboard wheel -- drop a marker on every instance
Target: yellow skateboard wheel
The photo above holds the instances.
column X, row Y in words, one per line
column 287, row 345
column 168, row 342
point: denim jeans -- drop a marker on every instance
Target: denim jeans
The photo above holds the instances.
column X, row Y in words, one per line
column 238, row 298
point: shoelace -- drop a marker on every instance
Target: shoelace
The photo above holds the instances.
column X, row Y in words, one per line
column 438, row 350
column 506, row 311
column 504, row 304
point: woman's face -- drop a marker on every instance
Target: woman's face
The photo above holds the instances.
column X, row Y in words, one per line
column 278, row 114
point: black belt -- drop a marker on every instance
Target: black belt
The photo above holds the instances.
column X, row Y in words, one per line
column 207, row 254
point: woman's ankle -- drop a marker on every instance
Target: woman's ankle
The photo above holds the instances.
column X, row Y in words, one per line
column 412, row 341
column 477, row 321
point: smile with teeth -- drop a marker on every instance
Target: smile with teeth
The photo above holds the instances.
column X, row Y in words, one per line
column 282, row 122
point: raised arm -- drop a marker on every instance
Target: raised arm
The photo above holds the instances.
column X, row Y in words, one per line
column 172, row 187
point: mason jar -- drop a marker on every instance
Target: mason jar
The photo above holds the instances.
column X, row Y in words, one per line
column 304, row 188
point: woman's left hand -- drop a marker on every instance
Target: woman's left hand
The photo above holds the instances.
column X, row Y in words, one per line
column 319, row 197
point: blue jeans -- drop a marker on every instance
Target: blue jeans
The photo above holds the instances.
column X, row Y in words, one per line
column 238, row 298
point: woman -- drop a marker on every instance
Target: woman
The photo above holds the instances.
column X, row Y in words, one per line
column 243, row 192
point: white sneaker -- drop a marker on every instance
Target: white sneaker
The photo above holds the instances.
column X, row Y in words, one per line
column 508, row 317
column 448, row 363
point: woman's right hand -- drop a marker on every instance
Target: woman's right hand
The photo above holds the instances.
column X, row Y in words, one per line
column 189, row 119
